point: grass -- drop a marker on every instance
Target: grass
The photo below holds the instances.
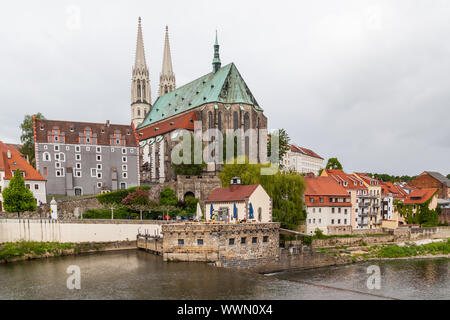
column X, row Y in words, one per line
column 12, row 250
column 411, row 250
column 408, row 250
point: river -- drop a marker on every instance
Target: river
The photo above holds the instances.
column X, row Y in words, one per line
column 138, row 275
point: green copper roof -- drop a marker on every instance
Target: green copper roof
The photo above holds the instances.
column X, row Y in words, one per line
column 225, row 86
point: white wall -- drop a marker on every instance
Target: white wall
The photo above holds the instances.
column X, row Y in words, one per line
column 259, row 199
column 12, row 230
column 321, row 218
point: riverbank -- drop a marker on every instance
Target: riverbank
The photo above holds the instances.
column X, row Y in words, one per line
column 30, row 250
column 406, row 250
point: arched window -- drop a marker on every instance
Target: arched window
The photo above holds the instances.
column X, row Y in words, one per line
column 139, row 89
column 219, row 120
column 143, row 90
column 139, row 112
column 247, row 139
column 210, row 120
column 246, row 121
column 235, row 120
column 46, row 156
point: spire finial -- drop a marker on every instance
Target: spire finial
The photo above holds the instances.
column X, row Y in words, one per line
column 216, row 60
column 167, row 77
column 140, row 54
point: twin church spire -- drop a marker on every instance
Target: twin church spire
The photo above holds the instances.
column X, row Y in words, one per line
column 141, row 100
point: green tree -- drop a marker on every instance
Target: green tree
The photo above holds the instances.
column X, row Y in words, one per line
column 138, row 200
column 333, row 163
column 27, row 137
column 167, row 197
column 448, row 176
column 285, row 189
column 283, row 144
column 189, row 169
column 16, row 197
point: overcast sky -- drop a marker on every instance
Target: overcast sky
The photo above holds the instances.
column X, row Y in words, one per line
column 366, row 81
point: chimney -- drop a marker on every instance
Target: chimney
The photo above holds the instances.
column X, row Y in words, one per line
column 235, row 181
column 107, row 123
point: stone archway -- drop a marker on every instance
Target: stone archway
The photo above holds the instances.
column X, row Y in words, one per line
column 188, row 194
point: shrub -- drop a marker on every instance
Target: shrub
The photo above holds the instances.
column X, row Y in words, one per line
column 116, row 197
column 168, row 197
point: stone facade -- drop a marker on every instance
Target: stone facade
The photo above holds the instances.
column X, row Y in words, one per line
column 198, row 186
column 216, row 242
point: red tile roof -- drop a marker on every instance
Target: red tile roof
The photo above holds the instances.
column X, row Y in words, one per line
column 348, row 181
column 232, row 193
column 325, row 187
column 420, row 195
column 390, row 188
column 71, row 131
column 16, row 161
column 304, row 151
column 185, row 121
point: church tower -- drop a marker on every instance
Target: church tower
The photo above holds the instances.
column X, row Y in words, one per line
column 141, row 100
column 167, row 77
column 216, row 60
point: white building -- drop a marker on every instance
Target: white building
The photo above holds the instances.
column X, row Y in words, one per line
column 11, row 160
column 328, row 206
column 302, row 160
column 238, row 202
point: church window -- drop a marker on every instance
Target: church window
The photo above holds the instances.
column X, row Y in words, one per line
column 139, row 89
column 143, row 91
column 235, row 120
column 139, row 112
column 210, row 120
column 219, row 120
column 246, row 121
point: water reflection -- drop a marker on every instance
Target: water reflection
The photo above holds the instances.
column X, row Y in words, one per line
column 139, row 275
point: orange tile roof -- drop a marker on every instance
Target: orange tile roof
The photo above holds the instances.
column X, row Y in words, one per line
column 325, row 187
column 420, row 195
column 390, row 188
column 348, row 181
column 232, row 193
column 185, row 121
column 16, row 161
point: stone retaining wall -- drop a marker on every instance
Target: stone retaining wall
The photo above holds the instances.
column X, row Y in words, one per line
column 211, row 242
column 285, row 261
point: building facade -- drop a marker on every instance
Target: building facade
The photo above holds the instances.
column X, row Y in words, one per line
column 328, row 206
column 431, row 179
column 239, row 202
column 216, row 102
column 80, row 158
column 12, row 160
column 302, row 160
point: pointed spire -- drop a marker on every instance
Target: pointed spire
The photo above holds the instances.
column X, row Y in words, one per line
column 140, row 54
column 167, row 60
column 167, row 77
column 216, row 61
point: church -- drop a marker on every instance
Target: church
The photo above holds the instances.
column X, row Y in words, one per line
column 219, row 100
